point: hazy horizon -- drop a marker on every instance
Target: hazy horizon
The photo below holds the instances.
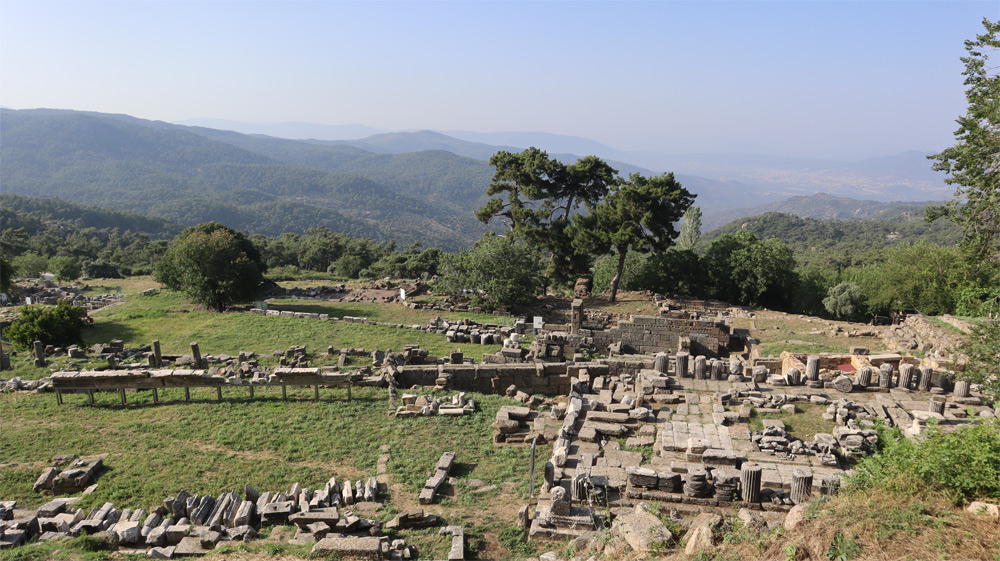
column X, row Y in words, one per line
column 845, row 80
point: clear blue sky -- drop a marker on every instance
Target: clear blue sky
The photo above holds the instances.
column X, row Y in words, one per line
column 837, row 79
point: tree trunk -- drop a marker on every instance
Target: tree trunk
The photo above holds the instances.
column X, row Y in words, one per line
column 618, row 274
column 569, row 207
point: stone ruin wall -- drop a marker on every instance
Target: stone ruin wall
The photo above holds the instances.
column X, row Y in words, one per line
column 647, row 335
column 651, row 335
column 549, row 379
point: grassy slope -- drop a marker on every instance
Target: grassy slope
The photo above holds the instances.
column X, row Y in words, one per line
column 209, row 447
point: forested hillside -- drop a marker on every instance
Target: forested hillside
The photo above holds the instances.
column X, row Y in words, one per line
column 164, row 170
column 844, row 243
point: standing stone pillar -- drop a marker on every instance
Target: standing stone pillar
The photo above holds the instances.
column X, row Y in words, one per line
column 885, row 375
column 661, row 363
column 112, row 363
column 548, row 477
column 157, row 357
column 802, row 482
column 962, row 388
column 682, row 364
column 924, row 384
column 864, row 377
column 196, row 354
column 750, row 483
column 936, row 406
column 718, row 370
column 812, row 368
column 906, row 376
column 39, row 354
column 699, row 368
column 793, row 376
column 576, row 315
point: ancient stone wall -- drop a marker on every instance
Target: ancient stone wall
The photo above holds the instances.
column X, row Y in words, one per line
column 550, row 379
column 651, row 334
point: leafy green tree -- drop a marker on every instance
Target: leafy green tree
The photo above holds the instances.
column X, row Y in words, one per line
column 636, row 215
column 690, row 229
column 745, row 270
column 678, row 272
column 982, row 347
column 30, row 264
column 633, row 275
column 495, row 273
column 349, row 266
column 845, row 301
column 212, row 264
column 65, row 268
column 7, row 272
column 972, row 161
column 13, row 241
column 102, row 269
column 535, row 196
column 522, row 182
column 915, row 277
column 58, row 325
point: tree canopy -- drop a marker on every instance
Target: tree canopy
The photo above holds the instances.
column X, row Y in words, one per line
column 535, row 196
column 636, row 215
column 495, row 273
column 972, row 162
column 213, row 264
column 745, row 270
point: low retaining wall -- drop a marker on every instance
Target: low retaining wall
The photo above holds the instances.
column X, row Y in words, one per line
column 551, row 378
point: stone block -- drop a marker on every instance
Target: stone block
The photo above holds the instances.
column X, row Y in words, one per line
column 350, row 548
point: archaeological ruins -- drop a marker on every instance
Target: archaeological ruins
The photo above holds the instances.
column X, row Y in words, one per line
column 681, row 385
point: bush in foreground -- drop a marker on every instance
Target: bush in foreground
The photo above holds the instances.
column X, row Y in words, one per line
column 965, row 462
column 58, row 325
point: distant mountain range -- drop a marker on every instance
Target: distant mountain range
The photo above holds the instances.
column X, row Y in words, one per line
column 821, row 206
column 746, row 180
column 407, row 186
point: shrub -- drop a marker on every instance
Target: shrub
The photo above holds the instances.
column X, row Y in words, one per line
column 30, row 265
column 497, row 272
column 58, row 325
column 102, row 269
column 65, row 268
column 844, row 301
column 965, row 462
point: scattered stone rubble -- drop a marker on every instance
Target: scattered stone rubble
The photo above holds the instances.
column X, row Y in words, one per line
column 187, row 524
column 50, row 293
column 77, row 475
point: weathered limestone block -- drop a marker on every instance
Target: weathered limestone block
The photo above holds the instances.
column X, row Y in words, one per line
column 642, row 530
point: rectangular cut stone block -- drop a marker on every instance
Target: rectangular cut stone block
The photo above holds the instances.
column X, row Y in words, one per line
column 329, row 516
column 349, row 548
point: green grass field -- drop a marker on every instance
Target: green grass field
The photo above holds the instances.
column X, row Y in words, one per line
column 173, row 320
column 206, row 447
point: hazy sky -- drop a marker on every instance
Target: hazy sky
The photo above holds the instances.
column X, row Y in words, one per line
column 839, row 79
